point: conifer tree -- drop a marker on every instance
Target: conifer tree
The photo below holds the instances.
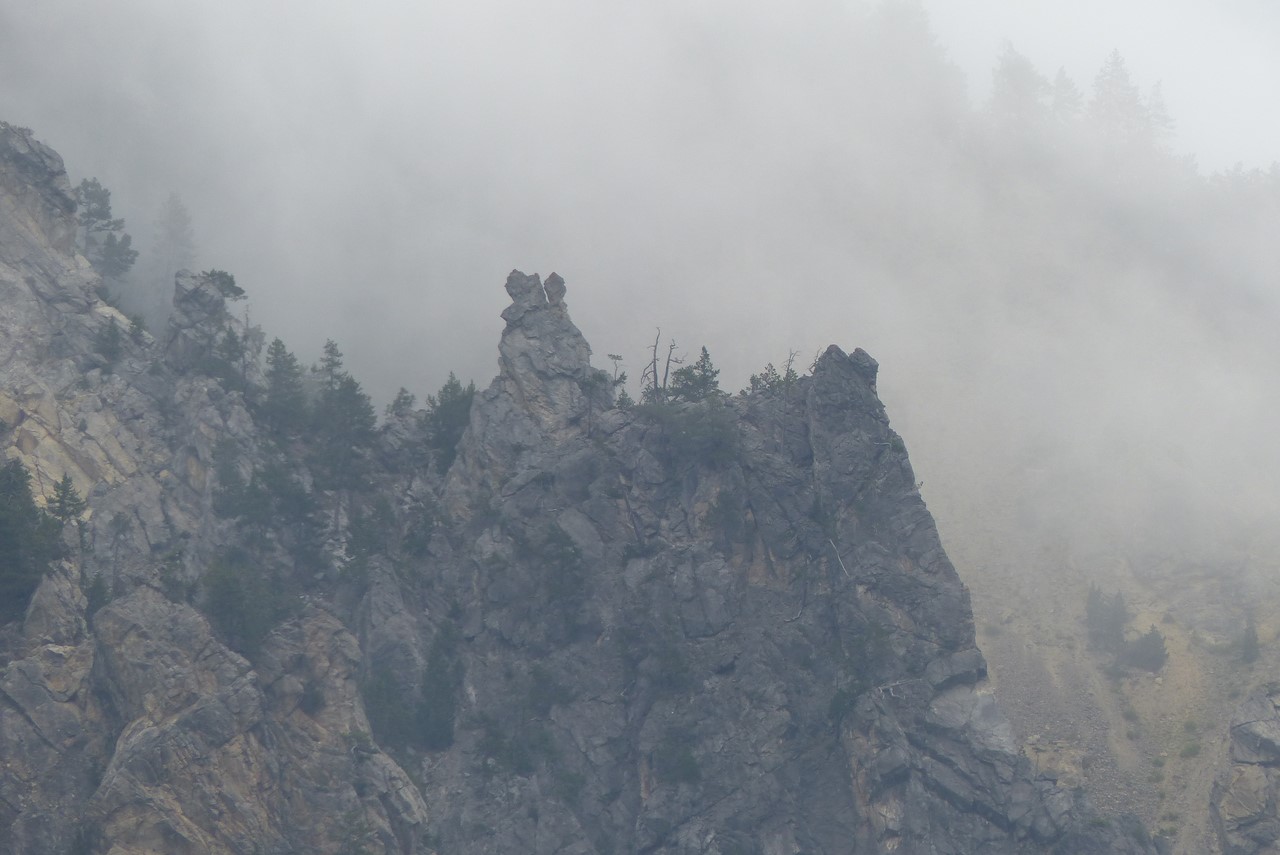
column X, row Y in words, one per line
column 102, row 237
column 447, row 416
column 284, row 408
column 696, row 382
column 29, row 540
column 66, row 504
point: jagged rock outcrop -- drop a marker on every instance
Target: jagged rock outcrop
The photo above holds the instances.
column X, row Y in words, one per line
column 133, row 728
column 718, row 626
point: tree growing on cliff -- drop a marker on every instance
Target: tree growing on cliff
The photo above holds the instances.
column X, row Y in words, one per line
column 447, row 416
column 29, row 540
column 66, row 506
column 284, row 405
column 696, row 382
column 102, row 238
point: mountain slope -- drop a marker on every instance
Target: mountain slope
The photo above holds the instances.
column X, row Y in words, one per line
column 722, row 626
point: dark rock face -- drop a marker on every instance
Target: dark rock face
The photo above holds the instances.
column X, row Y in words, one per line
column 1246, row 797
column 761, row 643
column 718, row 627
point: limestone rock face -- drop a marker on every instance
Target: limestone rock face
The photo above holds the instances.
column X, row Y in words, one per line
column 133, row 729
column 545, row 391
column 716, row 627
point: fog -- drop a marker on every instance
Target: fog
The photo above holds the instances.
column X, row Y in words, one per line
column 1073, row 308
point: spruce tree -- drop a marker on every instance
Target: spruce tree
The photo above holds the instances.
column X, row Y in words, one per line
column 447, row 416
column 29, row 540
column 696, row 382
column 284, row 408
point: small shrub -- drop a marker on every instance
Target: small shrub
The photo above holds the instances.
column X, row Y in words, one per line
column 242, row 601
column 109, row 343
column 702, row 434
column 1191, row 749
column 1146, row 652
column 97, row 594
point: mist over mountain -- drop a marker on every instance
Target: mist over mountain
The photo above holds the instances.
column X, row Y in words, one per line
column 1072, row 303
column 1045, row 274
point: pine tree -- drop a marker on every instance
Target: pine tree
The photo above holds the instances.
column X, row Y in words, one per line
column 116, row 256
column 447, row 416
column 284, row 408
column 66, row 504
column 110, row 343
column 29, row 540
column 344, row 422
column 402, row 405
column 175, row 247
column 330, row 368
column 1019, row 93
column 102, row 237
column 1067, row 102
column 1117, row 108
column 696, row 382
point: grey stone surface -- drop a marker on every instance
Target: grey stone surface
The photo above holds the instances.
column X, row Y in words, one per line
column 717, row 628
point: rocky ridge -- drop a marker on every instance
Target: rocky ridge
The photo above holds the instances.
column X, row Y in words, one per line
column 724, row 626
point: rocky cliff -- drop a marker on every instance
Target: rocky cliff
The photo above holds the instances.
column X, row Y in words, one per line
column 718, row 626
column 1246, row 795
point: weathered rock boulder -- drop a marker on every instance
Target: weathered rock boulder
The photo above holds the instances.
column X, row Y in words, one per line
column 1245, row 806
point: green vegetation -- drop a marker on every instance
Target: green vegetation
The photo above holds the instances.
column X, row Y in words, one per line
column 96, row 595
column 402, row 405
column 1106, row 620
column 771, row 380
column 101, row 237
column 66, row 505
column 697, row 382
column 1146, row 652
column 704, row 434
column 342, row 425
column 242, row 601
column 447, row 416
column 109, row 343
column 284, row 403
column 29, row 540
column 225, row 283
